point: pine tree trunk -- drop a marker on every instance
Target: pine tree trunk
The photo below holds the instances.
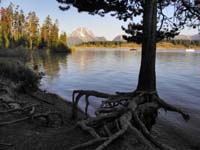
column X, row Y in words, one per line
column 147, row 75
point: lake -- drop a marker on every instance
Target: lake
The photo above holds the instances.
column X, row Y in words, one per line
column 110, row 70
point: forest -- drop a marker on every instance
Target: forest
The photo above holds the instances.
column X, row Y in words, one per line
column 18, row 29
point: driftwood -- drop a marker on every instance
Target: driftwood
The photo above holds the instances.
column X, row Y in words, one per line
column 134, row 111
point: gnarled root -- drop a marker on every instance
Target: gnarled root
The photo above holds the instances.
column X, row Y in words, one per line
column 135, row 111
column 76, row 96
column 45, row 115
column 6, row 144
column 26, row 108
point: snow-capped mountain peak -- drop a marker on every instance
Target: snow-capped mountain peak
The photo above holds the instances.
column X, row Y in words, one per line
column 81, row 35
column 84, row 34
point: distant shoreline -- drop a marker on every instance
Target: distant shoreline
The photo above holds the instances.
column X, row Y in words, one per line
column 137, row 48
column 161, row 45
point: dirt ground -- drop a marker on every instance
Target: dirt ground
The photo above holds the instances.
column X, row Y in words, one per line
column 35, row 134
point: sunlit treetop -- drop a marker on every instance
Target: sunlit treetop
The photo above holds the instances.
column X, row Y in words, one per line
column 182, row 13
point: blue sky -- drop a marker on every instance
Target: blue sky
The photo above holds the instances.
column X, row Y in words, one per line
column 70, row 20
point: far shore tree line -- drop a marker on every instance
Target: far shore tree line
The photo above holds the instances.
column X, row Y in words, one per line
column 174, row 43
column 18, row 29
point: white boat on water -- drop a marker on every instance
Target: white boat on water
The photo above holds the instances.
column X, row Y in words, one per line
column 189, row 50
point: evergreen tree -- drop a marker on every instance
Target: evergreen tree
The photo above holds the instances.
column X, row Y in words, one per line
column 17, row 29
column 6, row 26
column 54, row 34
column 32, row 29
column 63, row 38
column 46, row 31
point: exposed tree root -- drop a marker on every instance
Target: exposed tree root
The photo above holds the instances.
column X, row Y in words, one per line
column 91, row 142
column 6, row 144
column 38, row 98
column 135, row 111
column 45, row 115
column 77, row 94
column 26, row 108
column 9, row 104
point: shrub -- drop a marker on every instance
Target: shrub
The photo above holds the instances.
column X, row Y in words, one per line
column 19, row 53
column 18, row 73
column 60, row 47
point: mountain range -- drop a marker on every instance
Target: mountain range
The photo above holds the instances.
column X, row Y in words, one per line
column 81, row 35
column 188, row 37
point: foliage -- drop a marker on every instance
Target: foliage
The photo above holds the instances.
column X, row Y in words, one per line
column 61, row 47
column 32, row 28
column 63, row 38
column 19, row 74
column 17, row 29
column 12, row 66
column 18, row 52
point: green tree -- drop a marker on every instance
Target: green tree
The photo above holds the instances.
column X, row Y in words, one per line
column 19, row 22
column 32, row 29
column 17, row 29
column 54, row 34
column 63, row 38
column 6, row 26
column 46, row 31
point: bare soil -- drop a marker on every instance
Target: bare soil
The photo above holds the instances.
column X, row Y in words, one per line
column 35, row 134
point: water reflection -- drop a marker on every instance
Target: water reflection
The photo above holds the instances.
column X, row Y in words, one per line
column 178, row 81
column 50, row 63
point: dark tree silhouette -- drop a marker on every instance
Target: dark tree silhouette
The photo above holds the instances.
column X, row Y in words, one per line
column 136, row 110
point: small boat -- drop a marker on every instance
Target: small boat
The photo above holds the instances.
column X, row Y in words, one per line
column 133, row 49
column 189, row 50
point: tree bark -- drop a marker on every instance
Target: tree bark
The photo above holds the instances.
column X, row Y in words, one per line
column 147, row 75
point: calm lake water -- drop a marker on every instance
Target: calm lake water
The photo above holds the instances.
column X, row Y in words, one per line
column 110, row 70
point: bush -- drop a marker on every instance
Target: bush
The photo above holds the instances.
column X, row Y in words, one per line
column 19, row 53
column 18, row 73
column 60, row 47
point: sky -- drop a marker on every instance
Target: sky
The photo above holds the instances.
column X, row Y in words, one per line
column 107, row 26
